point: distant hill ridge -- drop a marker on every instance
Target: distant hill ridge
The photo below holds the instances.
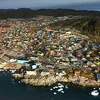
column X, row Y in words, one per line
column 29, row 13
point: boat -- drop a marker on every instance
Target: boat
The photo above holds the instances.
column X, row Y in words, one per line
column 12, row 71
column 66, row 86
column 59, row 90
column 62, row 91
column 51, row 89
column 1, row 70
column 95, row 93
column 60, row 86
column 54, row 93
column 55, row 87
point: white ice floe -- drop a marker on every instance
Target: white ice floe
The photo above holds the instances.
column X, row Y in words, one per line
column 95, row 93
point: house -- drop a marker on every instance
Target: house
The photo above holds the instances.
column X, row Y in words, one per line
column 93, row 65
column 34, row 57
column 12, row 60
column 61, row 73
column 2, row 63
column 38, row 64
column 98, row 76
column 5, row 26
column 77, row 73
column 50, row 66
column 44, row 73
column 97, row 63
column 31, row 73
column 68, row 32
column 21, row 61
column 74, row 59
column 64, row 63
column 34, row 66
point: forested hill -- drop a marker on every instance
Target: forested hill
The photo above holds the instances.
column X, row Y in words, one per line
column 29, row 13
column 88, row 26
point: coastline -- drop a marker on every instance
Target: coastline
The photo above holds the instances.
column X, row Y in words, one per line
column 44, row 81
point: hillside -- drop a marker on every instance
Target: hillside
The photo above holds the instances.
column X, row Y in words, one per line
column 85, row 25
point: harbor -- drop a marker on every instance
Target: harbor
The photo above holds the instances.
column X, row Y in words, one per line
column 20, row 91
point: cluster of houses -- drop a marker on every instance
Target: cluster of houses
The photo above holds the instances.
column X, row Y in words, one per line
column 46, row 52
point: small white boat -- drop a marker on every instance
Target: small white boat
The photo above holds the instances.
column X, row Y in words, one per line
column 62, row 91
column 18, row 81
column 66, row 86
column 59, row 90
column 51, row 89
column 61, row 86
column 55, row 87
column 95, row 93
column 54, row 93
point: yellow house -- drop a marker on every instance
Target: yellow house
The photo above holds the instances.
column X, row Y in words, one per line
column 97, row 62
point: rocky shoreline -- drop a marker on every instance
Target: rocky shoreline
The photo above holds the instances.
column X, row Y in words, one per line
column 50, row 80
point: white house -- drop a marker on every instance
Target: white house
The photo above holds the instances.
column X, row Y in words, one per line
column 45, row 73
column 12, row 60
column 31, row 72
column 49, row 66
column 34, row 66
column 21, row 61
column 74, row 59
column 38, row 64
column 62, row 73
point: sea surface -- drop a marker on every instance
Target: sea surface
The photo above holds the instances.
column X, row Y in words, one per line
column 11, row 89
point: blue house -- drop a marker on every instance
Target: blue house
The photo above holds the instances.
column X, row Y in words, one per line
column 98, row 76
column 21, row 61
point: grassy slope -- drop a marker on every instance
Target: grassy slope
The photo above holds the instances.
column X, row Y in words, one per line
column 87, row 26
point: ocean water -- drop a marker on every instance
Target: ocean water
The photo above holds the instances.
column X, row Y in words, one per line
column 11, row 89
